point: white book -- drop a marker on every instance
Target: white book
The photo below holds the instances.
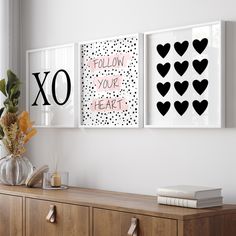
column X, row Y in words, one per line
column 189, row 192
column 182, row 202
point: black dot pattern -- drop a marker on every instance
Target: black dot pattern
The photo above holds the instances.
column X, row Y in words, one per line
column 128, row 90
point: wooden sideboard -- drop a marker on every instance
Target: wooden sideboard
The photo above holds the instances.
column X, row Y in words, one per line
column 87, row 212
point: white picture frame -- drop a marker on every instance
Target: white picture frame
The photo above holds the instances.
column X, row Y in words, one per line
column 160, row 87
column 138, row 90
column 57, row 108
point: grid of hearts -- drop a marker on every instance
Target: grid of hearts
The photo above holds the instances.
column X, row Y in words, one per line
column 180, row 68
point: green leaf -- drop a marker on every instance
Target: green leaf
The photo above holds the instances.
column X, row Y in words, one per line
column 11, row 106
column 3, row 86
column 14, row 90
column 1, row 111
column 15, row 102
column 7, row 102
column 16, row 95
column 12, row 109
column 12, row 80
column 1, row 133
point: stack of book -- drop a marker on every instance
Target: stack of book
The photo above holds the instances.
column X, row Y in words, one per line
column 190, row 196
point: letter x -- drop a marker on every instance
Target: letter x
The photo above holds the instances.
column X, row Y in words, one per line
column 36, row 75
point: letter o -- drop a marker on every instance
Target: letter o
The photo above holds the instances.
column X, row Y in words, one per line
column 54, row 87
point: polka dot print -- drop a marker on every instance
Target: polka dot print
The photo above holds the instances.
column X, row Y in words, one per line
column 128, row 90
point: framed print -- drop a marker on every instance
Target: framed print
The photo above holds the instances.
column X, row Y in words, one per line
column 51, row 86
column 110, row 84
column 184, row 77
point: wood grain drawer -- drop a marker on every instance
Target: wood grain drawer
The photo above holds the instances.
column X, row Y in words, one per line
column 23, row 212
column 70, row 219
column 107, row 223
column 220, row 225
column 11, row 215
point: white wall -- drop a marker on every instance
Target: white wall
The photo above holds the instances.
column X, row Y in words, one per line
column 9, row 43
column 9, row 40
column 147, row 158
column 4, row 39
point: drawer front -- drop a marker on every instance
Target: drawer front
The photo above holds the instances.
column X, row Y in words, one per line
column 107, row 223
column 220, row 225
column 11, row 215
column 62, row 219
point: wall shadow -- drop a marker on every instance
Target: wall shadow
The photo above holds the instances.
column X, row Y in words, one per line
column 230, row 72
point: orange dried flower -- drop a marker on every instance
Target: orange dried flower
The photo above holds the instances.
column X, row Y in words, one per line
column 24, row 122
column 29, row 135
column 25, row 126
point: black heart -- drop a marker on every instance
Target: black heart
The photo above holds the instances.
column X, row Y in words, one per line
column 181, row 87
column 163, row 107
column 181, row 48
column 200, row 86
column 181, row 107
column 200, row 66
column 163, row 69
column 163, row 49
column 200, row 107
column 163, row 88
column 200, row 45
column 181, row 67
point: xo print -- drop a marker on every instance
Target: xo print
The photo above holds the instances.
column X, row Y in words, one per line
column 54, row 94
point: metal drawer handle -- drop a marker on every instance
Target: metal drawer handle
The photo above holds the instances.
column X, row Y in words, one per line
column 133, row 230
column 51, row 216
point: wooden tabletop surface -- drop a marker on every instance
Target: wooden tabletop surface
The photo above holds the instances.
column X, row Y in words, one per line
column 140, row 204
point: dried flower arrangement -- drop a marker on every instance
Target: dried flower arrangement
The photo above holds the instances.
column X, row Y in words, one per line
column 15, row 129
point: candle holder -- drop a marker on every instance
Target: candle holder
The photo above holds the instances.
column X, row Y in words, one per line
column 55, row 180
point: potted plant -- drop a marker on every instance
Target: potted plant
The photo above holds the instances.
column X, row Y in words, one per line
column 15, row 131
